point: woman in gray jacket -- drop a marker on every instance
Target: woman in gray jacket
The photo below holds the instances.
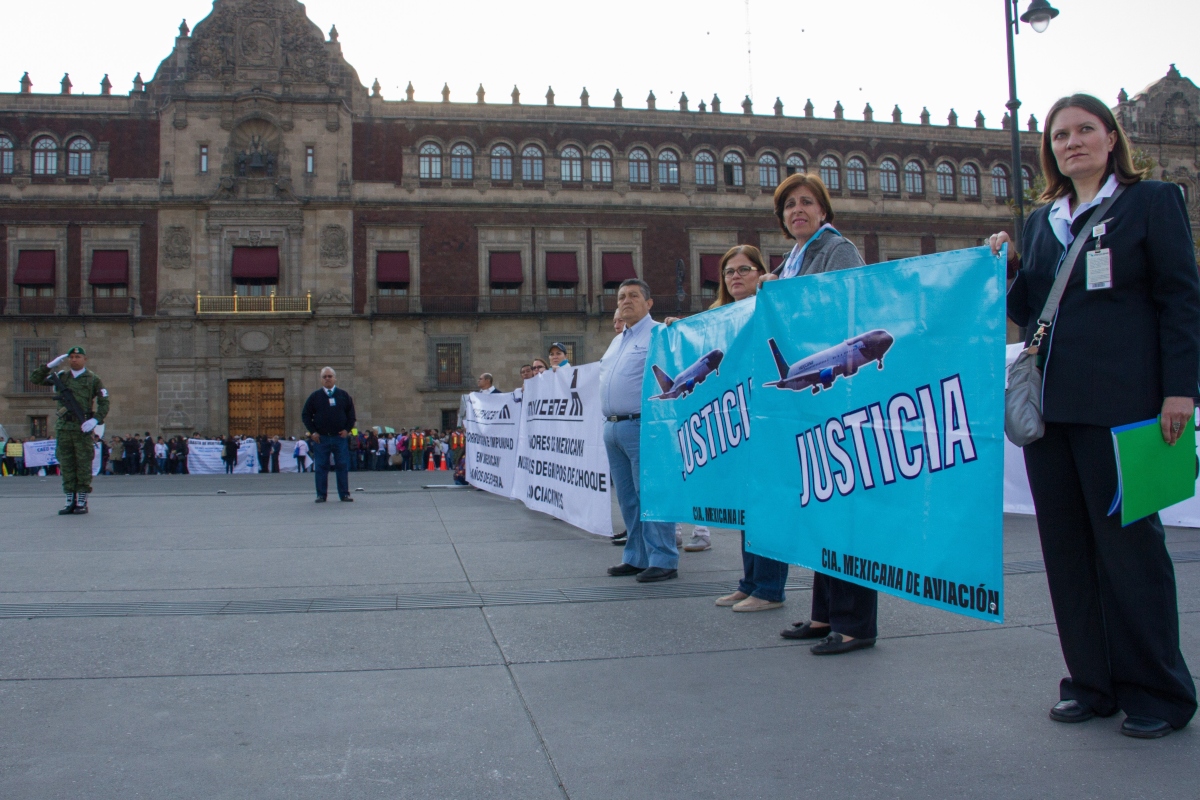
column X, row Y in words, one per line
column 843, row 613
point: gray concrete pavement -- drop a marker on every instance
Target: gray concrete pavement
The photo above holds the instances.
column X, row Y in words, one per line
column 474, row 649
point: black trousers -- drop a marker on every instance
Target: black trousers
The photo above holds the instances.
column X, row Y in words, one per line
column 1113, row 588
column 849, row 609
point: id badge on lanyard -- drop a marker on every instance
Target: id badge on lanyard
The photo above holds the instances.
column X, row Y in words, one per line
column 1099, row 263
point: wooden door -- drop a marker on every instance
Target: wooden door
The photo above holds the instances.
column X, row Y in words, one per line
column 256, row 408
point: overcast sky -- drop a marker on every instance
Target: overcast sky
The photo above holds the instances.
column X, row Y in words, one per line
column 941, row 54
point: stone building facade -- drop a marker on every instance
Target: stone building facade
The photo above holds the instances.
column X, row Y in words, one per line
column 254, row 213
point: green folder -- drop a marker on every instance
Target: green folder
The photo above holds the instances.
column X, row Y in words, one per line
column 1151, row 474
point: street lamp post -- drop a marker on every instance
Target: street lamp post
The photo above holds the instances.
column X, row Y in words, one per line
column 1038, row 15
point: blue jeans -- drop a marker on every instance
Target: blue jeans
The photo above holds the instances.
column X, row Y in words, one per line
column 650, row 544
column 765, row 577
column 340, row 448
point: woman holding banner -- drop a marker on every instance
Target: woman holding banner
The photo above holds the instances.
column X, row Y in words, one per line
column 1123, row 347
column 843, row 613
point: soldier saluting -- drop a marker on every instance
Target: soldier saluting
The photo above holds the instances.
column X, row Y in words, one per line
column 77, row 387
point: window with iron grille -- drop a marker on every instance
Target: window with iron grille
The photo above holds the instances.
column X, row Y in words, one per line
column 968, row 179
column 28, row 355
column 639, row 166
column 45, row 156
column 502, row 163
column 706, row 171
column 79, row 157
column 735, row 172
column 449, row 357
column 889, row 177
column 914, row 178
column 856, row 175
column 831, row 173
column 430, row 162
column 668, row 168
column 795, row 164
column 532, row 164
column 571, row 164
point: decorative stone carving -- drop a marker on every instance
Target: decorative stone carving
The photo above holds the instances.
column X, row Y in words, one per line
column 177, row 418
column 334, row 297
column 177, row 247
column 255, row 341
column 269, row 35
column 177, row 298
column 334, row 246
column 254, row 368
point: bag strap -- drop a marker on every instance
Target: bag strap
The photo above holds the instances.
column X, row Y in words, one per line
column 1064, row 274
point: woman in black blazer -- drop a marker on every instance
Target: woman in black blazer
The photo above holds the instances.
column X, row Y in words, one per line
column 1124, row 347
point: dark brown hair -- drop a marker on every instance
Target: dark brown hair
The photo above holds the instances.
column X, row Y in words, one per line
column 1120, row 160
column 749, row 251
column 814, row 184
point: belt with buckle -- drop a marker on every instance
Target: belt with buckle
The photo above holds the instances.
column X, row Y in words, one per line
column 622, row 417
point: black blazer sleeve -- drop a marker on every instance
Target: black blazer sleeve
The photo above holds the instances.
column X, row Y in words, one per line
column 351, row 417
column 306, row 414
column 1175, row 288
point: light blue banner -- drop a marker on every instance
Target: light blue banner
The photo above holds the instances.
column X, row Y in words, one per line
column 696, row 457
column 878, row 428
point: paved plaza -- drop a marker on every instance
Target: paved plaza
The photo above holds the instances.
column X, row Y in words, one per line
column 224, row 637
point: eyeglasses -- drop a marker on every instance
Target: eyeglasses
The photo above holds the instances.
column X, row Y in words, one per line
column 729, row 272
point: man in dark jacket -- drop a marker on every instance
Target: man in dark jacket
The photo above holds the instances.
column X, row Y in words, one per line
column 133, row 452
column 329, row 416
column 149, row 463
column 276, row 447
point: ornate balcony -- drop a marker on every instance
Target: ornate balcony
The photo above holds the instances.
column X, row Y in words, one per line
column 71, row 306
column 238, row 304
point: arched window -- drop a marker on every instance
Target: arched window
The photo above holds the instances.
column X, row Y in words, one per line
column 502, row 158
column 532, row 164
column 914, row 178
column 7, row 156
column 1027, row 179
column 1000, row 182
column 462, row 163
column 889, row 177
column 706, row 172
column 968, row 181
column 856, row 174
column 571, row 164
column 795, row 163
column 768, row 171
column 735, row 171
column 601, row 165
column 945, row 179
column 45, row 156
column 639, row 166
column 430, row 162
column 831, row 173
column 668, row 168
column 79, row 157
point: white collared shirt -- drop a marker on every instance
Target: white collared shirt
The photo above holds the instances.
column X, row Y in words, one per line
column 1062, row 216
column 622, row 369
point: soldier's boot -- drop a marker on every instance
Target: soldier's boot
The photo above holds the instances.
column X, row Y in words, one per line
column 70, row 509
column 81, row 503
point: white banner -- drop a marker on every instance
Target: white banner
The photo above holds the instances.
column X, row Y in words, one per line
column 247, row 459
column 287, row 456
column 96, row 459
column 562, row 466
column 493, row 426
column 204, row 457
column 41, row 454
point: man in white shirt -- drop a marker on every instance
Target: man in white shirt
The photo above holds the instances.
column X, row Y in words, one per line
column 650, row 550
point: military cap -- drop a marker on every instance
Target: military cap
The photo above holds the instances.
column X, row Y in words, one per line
column 77, row 350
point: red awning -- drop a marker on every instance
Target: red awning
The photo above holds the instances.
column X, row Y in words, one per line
column 775, row 262
column 35, row 268
column 109, row 268
column 617, row 267
column 562, row 268
column 255, row 263
column 710, row 268
column 505, row 267
column 391, row 267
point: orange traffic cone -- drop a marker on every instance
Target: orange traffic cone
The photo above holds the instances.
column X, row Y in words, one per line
column 443, row 463
column 429, row 465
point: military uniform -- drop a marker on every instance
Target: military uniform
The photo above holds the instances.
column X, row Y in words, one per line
column 75, row 449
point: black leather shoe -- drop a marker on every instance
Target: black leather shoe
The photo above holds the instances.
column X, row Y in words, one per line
column 834, row 644
column 805, row 631
column 319, row 500
column 1071, row 711
column 657, row 574
column 1145, row 727
column 624, row 569
column 621, row 538
column 346, row 498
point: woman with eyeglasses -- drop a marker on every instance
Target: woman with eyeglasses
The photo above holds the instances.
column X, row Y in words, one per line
column 843, row 613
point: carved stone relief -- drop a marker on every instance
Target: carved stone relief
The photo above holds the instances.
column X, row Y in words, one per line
column 255, row 341
column 334, row 247
column 177, row 247
column 254, row 368
column 177, row 298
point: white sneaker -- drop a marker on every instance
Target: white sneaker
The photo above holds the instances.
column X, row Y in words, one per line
column 678, row 534
column 698, row 544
